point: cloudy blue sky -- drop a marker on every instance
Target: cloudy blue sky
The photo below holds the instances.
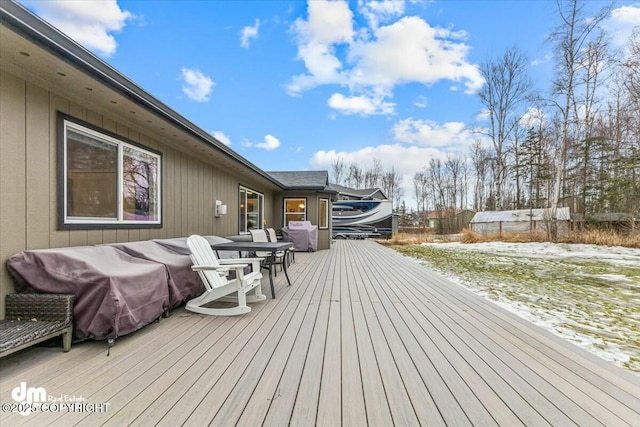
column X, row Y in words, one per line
column 292, row 84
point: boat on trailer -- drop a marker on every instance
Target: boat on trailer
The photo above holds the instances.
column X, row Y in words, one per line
column 360, row 219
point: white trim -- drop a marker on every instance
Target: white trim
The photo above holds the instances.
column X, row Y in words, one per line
column 119, row 144
column 326, row 214
column 261, row 208
column 284, row 209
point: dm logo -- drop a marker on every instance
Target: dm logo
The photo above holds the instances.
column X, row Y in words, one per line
column 28, row 396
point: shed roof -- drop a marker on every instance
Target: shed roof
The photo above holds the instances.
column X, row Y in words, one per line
column 562, row 214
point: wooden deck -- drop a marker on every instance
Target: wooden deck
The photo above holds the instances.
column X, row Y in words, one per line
column 364, row 336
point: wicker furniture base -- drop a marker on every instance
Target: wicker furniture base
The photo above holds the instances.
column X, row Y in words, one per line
column 33, row 318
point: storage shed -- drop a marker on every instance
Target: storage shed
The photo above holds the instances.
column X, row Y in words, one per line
column 520, row 221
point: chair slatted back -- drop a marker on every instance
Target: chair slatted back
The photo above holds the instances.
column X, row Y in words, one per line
column 259, row 235
column 272, row 235
column 202, row 254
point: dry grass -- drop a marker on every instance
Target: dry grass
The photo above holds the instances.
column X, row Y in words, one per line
column 604, row 238
column 593, row 237
column 403, row 239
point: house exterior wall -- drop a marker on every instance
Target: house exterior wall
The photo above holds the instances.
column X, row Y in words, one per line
column 313, row 202
column 28, row 179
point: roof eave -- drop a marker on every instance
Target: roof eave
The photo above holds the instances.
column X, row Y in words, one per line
column 23, row 22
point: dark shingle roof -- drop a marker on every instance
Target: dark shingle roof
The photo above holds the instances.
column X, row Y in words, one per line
column 303, row 180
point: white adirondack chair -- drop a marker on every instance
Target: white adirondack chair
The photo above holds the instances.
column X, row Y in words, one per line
column 213, row 271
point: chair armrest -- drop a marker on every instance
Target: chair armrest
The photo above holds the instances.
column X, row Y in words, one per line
column 227, row 261
column 219, row 267
column 40, row 307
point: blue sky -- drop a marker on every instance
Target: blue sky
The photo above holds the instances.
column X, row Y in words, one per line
column 291, row 85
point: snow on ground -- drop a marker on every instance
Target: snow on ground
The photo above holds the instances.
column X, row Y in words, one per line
column 587, row 294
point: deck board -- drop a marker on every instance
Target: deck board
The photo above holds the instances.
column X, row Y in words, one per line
column 364, row 336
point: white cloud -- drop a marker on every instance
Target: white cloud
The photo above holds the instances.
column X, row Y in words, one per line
column 621, row 23
column 220, row 136
column 249, row 33
column 483, row 115
column 88, row 22
column 405, row 160
column 361, row 104
column 270, row 143
column 410, row 50
column 418, row 142
column 329, row 23
column 421, row 102
column 381, row 11
column 196, row 85
column 431, row 134
column 548, row 57
column 533, row 117
column 377, row 58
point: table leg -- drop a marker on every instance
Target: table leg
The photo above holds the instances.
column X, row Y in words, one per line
column 284, row 267
column 273, row 289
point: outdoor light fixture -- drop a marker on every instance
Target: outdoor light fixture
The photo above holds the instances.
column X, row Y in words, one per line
column 220, row 208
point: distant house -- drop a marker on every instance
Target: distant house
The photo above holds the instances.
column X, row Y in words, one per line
column 346, row 193
column 450, row 221
column 521, row 221
column 88, row 157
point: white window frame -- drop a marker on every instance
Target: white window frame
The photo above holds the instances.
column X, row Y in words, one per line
column 260, row 222
column 284, row 209
column 119, row 221
column 326, row 213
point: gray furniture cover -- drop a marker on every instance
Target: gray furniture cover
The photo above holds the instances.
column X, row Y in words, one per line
column 115, row 292
column 303, row 234
column 179, row 245
column 184, row 283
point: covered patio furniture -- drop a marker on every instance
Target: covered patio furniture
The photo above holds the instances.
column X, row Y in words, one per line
column 213, row 273
column 115, row 292
column 303, row 234
column 184, row 283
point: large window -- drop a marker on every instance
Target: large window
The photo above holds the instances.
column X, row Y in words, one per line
column 106, row 182
column 251, row 209
column 295, row 210
column 323, row 213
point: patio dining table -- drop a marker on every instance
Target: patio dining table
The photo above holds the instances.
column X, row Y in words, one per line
column 272, row 247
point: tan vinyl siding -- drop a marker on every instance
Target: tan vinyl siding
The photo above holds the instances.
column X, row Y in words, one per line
column 13, row 177
column 28, row 179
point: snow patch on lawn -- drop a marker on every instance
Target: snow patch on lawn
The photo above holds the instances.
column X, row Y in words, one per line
column 587, row 294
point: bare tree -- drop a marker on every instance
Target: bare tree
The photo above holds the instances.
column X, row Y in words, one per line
column 355, row 177
column 373, row 175
column 480, row 162
column 392, row 186
column 632, row 67
column 338, row 168
column 506, row 87
column 570, row 38
column 422, row 194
